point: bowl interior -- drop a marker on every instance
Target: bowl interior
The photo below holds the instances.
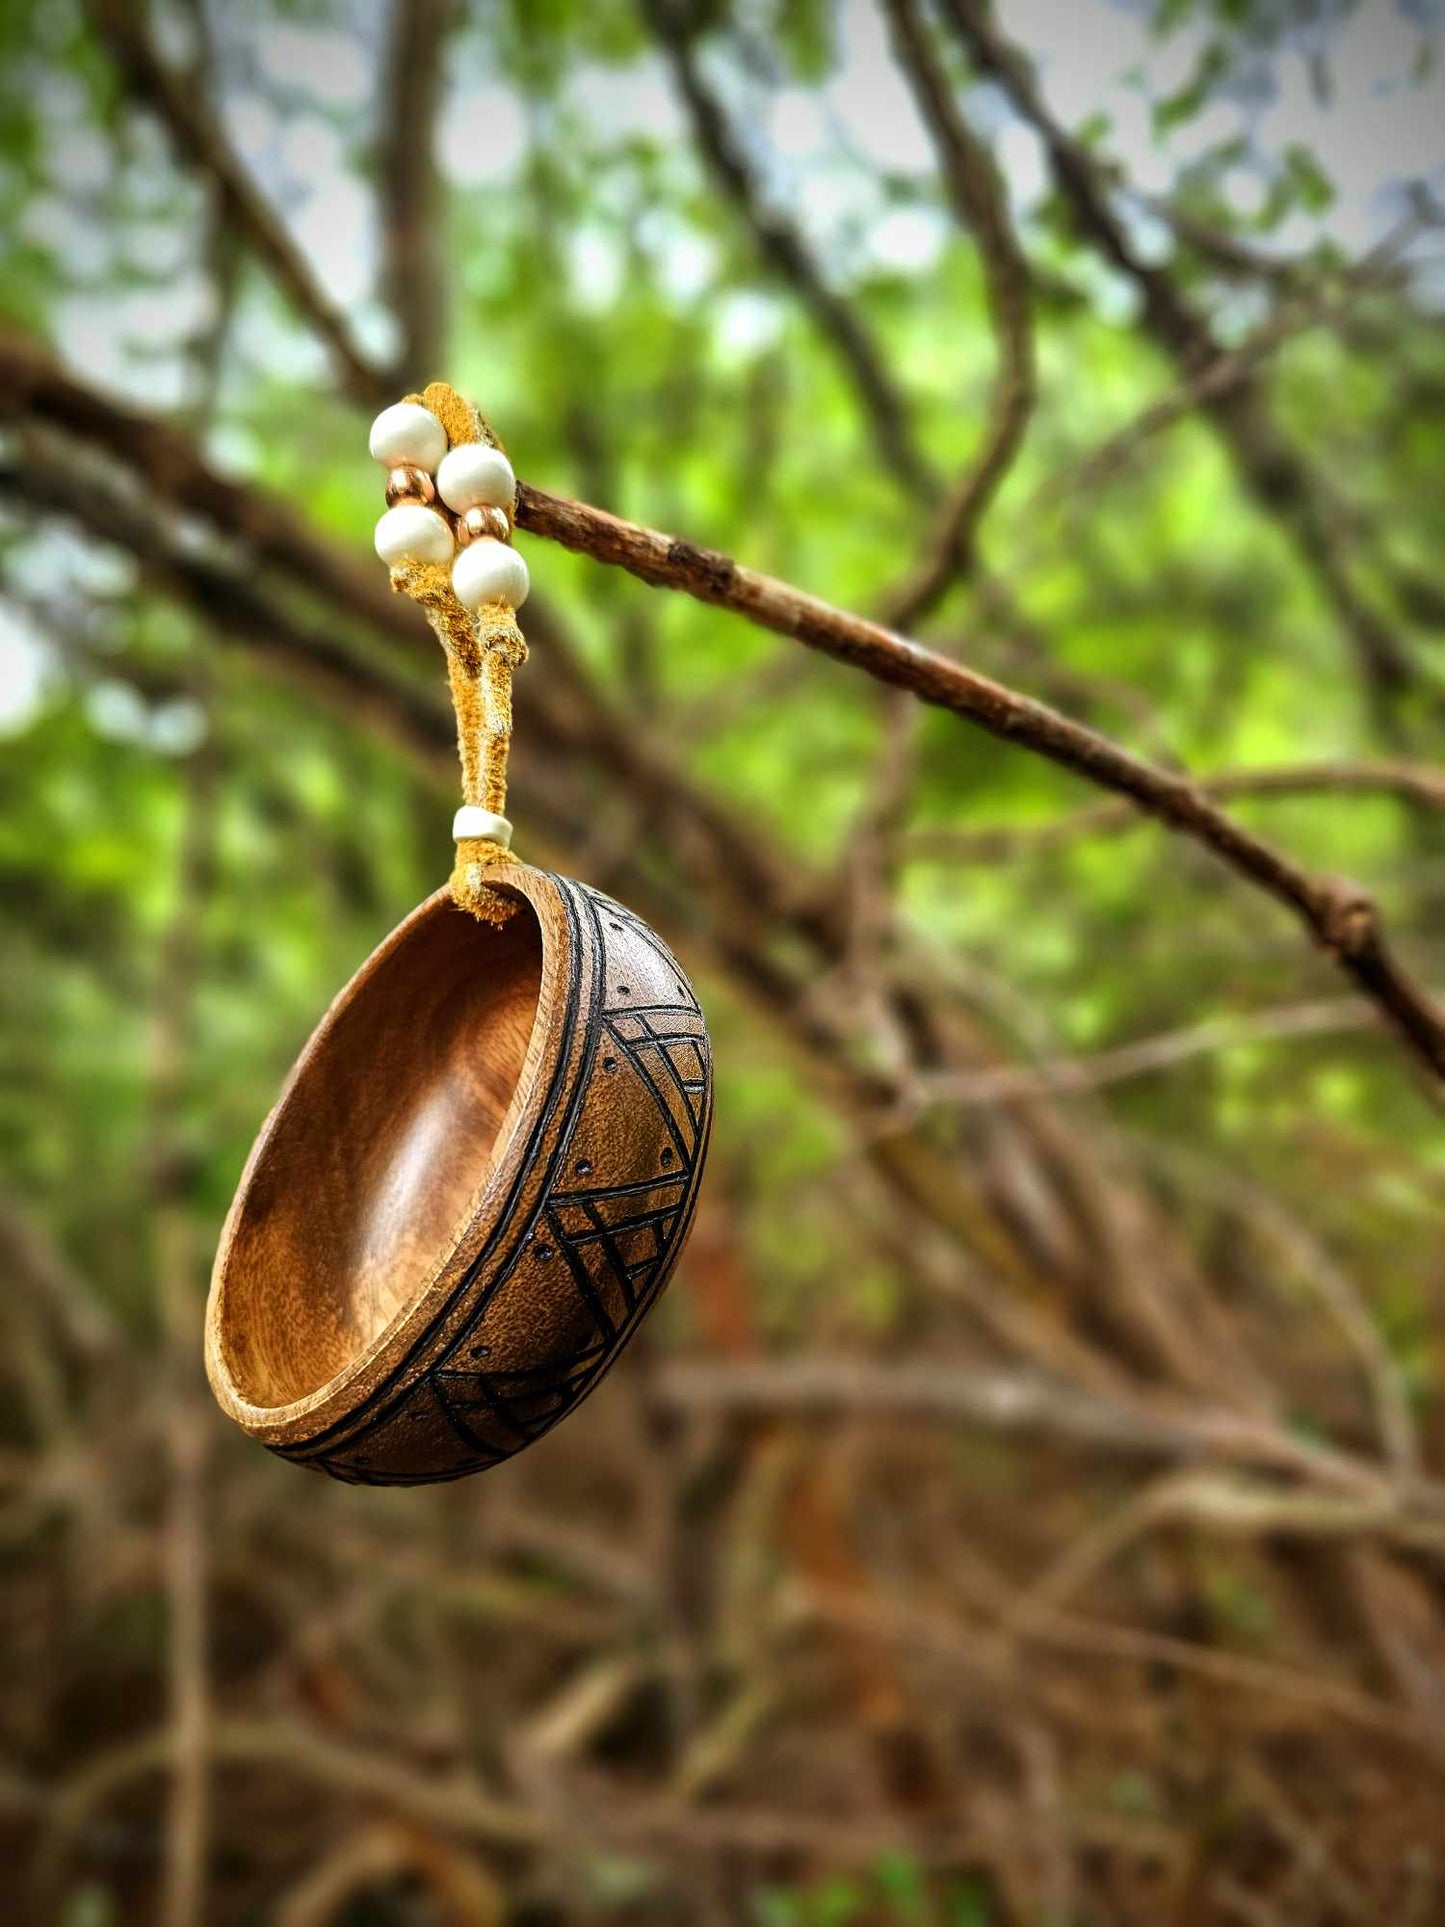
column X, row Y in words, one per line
column 376, row 1153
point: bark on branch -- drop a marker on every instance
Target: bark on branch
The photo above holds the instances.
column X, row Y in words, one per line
column 1341, row 917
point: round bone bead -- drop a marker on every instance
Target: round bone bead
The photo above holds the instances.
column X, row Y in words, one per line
column 406, row 435
column 410, row 533
column 473, row 821
column 488, row 571
column 474, row 475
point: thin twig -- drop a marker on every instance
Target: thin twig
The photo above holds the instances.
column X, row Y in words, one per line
column 1008, row 1083
column 456, row 1803
column 1330, row 1282
column 1090, row 1638
column 200, row 141
column 176, row 1255
column 37, row 1269
column 1278, row 477
column 785, row 252
column 980, row 202
column 1422, row 784
column 1083, row 479
column 409, row 184
column 1029, row 1403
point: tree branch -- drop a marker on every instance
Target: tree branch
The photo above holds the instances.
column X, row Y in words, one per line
column 1420, row 784
column 33, row 382
column 185, row 1540
column 1318, row 1693
column 1117, row 453
column 200, row 142
column 980, row 202
column 786, row 254
column 1272, row 469
column 1028, row 1403
column 1343, row 920
column 409, row 188
column 1323, row 1017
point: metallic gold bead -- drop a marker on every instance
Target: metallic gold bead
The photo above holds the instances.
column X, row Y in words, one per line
column 474, row 523
column 410, row 485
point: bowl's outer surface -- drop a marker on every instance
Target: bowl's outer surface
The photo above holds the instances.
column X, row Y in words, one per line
column 573, row 1238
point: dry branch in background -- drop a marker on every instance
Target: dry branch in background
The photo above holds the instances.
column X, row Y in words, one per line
column 1419, row 784
column 980, row 201
column 179, row 1267
column 1273, row 470
column 785, row 253
column 409, row 187
column 199, row 140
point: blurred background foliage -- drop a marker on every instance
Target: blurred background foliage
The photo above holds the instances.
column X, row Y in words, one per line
column 1016, row 1100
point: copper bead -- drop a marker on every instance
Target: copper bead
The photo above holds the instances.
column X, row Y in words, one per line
column 410, row 485
column 474, row 523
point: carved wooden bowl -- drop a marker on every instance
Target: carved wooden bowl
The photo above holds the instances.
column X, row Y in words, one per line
column 476, row 1182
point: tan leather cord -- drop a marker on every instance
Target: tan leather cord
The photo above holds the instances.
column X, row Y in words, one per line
column 482, row 652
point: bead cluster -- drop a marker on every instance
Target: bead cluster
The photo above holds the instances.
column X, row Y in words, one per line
column 474, row 481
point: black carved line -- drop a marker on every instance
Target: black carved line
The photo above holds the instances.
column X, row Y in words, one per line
column 573, row 1362
column 633, row 922
column 625, row 1225
column 634, row 1187
column 497, row 1406
column 454, row 1418
column 679, row 1143
column 604, row 1234
column 664, row 1043
column 582, row 1278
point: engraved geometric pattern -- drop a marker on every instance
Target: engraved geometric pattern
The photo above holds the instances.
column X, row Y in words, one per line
column 608, row 1221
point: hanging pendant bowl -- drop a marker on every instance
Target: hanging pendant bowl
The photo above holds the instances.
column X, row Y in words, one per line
column 474, row 1185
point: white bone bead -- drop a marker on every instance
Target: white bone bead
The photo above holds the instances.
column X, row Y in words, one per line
column 471, row 820
column 406, row 435
column 409, row 533
column 488, row 571
column 476, row 476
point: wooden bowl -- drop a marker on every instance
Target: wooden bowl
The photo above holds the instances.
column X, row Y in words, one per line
column 475, row 1184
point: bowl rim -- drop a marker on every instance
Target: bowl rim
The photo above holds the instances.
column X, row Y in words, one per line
column 301, row 1417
